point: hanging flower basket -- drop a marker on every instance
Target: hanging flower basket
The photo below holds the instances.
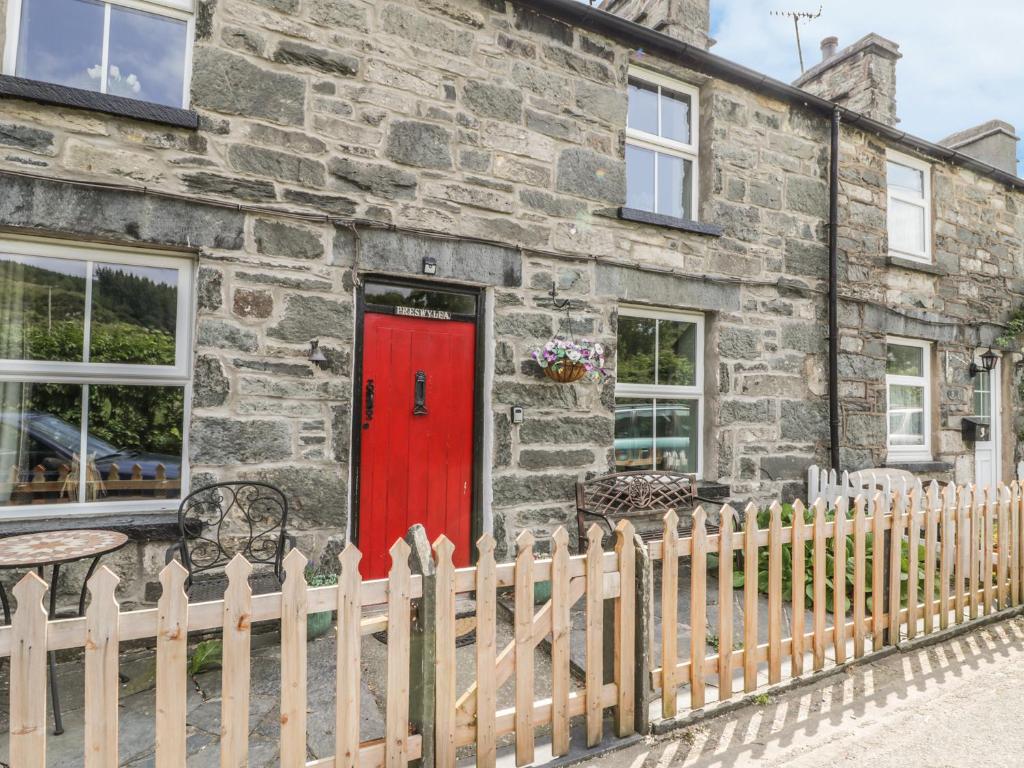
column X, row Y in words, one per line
column 566, row 373
column 567, row 361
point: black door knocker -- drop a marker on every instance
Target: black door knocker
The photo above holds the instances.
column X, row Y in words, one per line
column 419, row 393
column 369, row 403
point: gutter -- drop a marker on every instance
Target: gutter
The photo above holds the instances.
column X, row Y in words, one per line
column 645, row 39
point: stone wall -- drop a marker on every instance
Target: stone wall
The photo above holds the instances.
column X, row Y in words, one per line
column 386, row 125
column 960, row 304
column 861, row 77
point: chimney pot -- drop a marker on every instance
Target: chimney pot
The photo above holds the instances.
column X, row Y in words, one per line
column 829, row 46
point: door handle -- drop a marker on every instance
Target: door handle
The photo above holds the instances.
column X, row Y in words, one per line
column 419, row 393
column 370, row 392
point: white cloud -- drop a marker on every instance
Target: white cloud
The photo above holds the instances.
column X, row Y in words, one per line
column 962, row 64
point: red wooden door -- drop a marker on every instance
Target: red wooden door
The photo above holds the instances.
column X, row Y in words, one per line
column 416, row 452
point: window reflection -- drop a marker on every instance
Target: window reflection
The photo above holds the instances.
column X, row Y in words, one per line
column 133, row 448
column 134, row 314
column 652, row 433
column 42, row 308
column 147, row 56
column 61, row 41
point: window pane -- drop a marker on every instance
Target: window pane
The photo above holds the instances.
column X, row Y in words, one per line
column 147, row 56
column 40, row 439
column 61, row 41
column 902, row 360
column 677, row 353
column 982, row 399
column 905, row 178
column 142, row 428
column 674, row 186
column 42, row 308
column 639, row 178
column 634, row 434
column 134, row 310
column 906, row 415
column 675, row 116
column 643, row 107
column 676, row 435
column 420, row 298
column 906, row 227
column 636, row 350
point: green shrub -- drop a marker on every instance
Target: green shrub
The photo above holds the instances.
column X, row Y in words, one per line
column 788, row 512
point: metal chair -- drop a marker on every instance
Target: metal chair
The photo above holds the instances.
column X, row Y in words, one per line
column 218, row 521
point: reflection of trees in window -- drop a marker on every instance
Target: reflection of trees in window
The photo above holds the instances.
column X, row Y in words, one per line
column 120, row 296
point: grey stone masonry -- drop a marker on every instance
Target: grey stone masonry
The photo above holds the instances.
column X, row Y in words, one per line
column 341, row 140
column 861, row 77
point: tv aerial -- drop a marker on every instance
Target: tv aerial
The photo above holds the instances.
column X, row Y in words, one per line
column 797, row 17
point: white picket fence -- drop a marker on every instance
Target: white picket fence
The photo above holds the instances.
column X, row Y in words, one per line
column 829, row 485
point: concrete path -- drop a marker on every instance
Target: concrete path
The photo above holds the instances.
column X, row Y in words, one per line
column 957, row 703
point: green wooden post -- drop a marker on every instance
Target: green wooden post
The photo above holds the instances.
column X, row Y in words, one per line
column 422, row 651
column 644, row 631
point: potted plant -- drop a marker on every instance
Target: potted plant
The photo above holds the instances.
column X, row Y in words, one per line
column 318, row 624
column 568, row 360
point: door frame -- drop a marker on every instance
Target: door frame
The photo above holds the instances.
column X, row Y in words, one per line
column 996, row 419
column 476, row 503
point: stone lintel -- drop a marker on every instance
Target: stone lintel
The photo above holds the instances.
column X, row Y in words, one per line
column 666, row 289
column 462, row 260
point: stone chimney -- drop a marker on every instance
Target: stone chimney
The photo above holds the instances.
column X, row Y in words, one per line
column 861, row 77
column 994, row 142
column 685, row 20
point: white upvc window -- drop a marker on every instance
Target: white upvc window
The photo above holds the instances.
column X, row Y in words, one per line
column 659, row 393
column 95, row 378
column 908, row 399
column 139, row 49
column 909, row 195
column 661, row 145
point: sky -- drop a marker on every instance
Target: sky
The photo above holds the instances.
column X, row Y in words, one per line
column 963, row 63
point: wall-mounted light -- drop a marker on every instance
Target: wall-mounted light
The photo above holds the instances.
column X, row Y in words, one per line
column 988, row 363
column 316, row 355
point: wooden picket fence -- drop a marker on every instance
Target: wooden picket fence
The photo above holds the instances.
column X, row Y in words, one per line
column 966, row 542
column 965, row 575
column 363, row 607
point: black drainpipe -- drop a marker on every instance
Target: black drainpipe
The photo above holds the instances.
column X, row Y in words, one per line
column 833, row 293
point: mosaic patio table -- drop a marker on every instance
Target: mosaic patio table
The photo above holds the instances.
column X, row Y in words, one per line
column 53, row 549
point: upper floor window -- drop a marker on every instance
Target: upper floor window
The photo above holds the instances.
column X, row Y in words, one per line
column 139, row 49
column 908, row 185
column 659, row 392
column 94, row 378
column 908, row 399
column 661, row 146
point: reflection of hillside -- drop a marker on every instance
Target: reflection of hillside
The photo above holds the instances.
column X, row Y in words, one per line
column 122, row 296
column 43, row 295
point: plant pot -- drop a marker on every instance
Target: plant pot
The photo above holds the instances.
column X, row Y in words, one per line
column 318, row 624
column 566, row 373
column 541, row 592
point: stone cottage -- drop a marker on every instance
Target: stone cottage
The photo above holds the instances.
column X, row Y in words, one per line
column 315, row 242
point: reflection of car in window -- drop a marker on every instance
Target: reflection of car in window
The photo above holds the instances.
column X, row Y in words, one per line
column 31, row 439
column 635, row 446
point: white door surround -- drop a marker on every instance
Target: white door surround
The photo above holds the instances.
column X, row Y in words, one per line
column 986, row 404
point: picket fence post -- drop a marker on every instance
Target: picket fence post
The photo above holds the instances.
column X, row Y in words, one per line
column 28, row 675
column 171, row 660
column 101, row 671
column 422, row 644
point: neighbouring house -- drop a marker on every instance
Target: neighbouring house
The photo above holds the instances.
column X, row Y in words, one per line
column 193, row 191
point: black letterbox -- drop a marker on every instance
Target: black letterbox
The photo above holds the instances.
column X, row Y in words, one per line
column 975, row 430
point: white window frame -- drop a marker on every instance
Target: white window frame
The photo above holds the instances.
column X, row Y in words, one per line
column 924, row 202
column 183, row 10
column 669, row 391
column 85, row 374
column 645, row 140
column 900, row 453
